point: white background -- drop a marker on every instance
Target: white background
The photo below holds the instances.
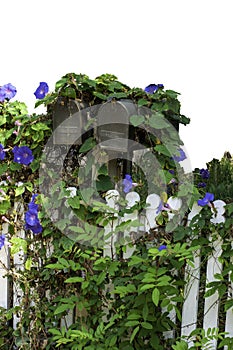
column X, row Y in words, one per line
column 184, row 44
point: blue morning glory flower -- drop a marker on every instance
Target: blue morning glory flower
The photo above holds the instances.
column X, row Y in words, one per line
column 42, row 90
column 36, row 228
column 209, row 197
column 31, row 217
column 2, row 240
column 2, row 95
column 32, row 205
column 23, row 155
column 181, row 157
column 7, row 91
column 152, row 88
column 2, row 152
column 127, row 183
column 162, row 247
column 201, row 184
column 204, row 173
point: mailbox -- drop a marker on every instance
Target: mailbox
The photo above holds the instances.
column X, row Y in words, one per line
column 69, row 118
column 113, row 125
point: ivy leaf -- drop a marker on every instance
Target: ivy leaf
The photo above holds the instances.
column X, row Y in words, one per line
column 100, row 96
column 77, row 229
column 163, row 150
column 40, row 126
column 158, row 121
column 87, row 193
column 155, row 296
column 19, row 190
column 70, row 92
column 18, row 244
column 74, row 202
column 172, row 94
column 4, row 206
column 15, row 166
column 136, row 120
column 142, row 102
column 3, row 120
column 88, row 145
column 103, row 170
column 104, row 183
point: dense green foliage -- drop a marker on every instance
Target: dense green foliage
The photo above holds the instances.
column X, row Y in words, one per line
column 112, row 302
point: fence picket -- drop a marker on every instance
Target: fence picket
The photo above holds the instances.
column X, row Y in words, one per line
column 191, row 291
column 229, row 313
column 18, row 262
column 112, row 197
column 132, row 198
column 211, row 307
column 4, row 266
column 153, row 201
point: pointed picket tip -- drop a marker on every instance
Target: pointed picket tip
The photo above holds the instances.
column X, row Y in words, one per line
column 112, row 196
column 175, row 203
column 153, row 200
column 194, row 211
column 220, row 207
column 132, row 198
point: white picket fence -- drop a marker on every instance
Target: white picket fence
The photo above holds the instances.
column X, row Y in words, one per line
column 148, row 222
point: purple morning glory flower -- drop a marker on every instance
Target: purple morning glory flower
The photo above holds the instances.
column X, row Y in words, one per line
column 204, row 173
column 209, row 197
column 23, row 155
column 201, row 184
column 152, row 88
column 181, row 157
column 42, row 90
column 32, row 205
column 2, row 152
column 31, row 217
column 2, row 95
column 36, row 228
column 162, row 247
column 127, row 183
column 2, row 240
column 7, row 91
column 163, row 206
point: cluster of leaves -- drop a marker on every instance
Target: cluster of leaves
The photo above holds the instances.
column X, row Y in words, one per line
column 221, row 177
column 79, row 297
column 217, row 178
column 106, row 87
